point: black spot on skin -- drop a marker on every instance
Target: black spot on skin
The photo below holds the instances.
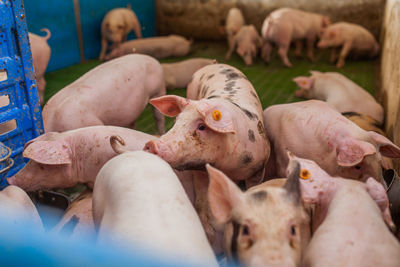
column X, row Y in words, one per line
column 249, row 114
column 69, row 227
column 229, row 86
column 202, row 76
column 232, row 76
column 212, row 91
column 213, row 96
column 252, row 138
column 246, row 158
column 351, row 114
column 210, row 76
column 254, row 94
column 226, row 71
column 259, row 196
column 260, row 128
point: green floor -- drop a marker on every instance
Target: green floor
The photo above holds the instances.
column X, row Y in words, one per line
column 273, row 82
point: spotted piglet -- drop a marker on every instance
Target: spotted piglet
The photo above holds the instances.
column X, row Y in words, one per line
column 220, row 123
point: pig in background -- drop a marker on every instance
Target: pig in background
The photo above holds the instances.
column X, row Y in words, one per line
column 138, row 200
column 157, row 47
column 349, row 220
column 247, row 41
column 339, row 91
column 313, row 129
column 62, row 160
column 285, row 25
column 115, row 27
column 354, row 40
column 113, row 93
column 40, row 55
column 267, row 225
column 179, row 74
column 234, row 21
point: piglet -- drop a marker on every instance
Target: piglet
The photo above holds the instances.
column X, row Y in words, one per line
column 179, row 74
column 62, row 160
column 158, row 47
column 266, row 225
column 113, row 93
column 77, row 221
column 40, row 55
column 247, row 42
column 16, row 205
column 285, row 25
column 315, row 130
column 339, row 91
column 139, row 201
column 115, row 27
column 349, row 221
column 353, row 39
column 234, row 21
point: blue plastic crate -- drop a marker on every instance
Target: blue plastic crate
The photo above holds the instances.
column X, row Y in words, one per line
column 20, row 113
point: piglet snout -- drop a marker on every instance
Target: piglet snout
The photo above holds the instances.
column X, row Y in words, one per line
column 151, row 147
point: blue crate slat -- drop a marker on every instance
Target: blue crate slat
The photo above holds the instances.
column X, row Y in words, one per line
column 19, row 85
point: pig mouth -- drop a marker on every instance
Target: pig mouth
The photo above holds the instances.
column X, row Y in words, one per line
column 198, row 165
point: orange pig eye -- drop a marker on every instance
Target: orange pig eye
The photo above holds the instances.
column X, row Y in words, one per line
column 216, row 114
column 305, row 174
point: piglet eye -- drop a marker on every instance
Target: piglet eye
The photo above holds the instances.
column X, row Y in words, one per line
column 357, row 167
column 245, row 230
column 293, row 230
column 201, row 127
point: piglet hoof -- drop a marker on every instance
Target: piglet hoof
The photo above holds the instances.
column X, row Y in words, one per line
column 340, row 64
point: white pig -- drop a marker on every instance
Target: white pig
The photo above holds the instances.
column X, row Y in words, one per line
column 234, row 21
column 113, row 93
column 339, row 91
column 138, row 200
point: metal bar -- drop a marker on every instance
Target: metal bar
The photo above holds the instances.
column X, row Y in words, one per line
column 78, row 24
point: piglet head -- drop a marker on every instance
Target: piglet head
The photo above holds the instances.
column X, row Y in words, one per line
column 266, row 225
column 329, row 38
column 199, row 135
column 246, row 52
column 306, row 85
column 49, row 162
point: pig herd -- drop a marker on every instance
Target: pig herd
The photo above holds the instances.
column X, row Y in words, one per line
column 298, row 184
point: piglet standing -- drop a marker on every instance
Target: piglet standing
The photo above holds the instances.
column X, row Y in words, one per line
column 339, row 91
column 315, row 130
column 41, row 56
column 115, row 27
column 349, row 221
column 77, row 221
column 234, row 21
column 16, row 206
column 179, row 74
column 265, row 226
column 353, row 39
column 285, row 25
column 158, row 47
column 247, row 41
column 114, row 93
column 139, row 201
column 62, row 160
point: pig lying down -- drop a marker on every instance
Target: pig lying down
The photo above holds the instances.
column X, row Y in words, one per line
column 115, row 28
column 234, row 21
column 62, row 160
column 114, row 93
column 353, row 39
column 339, row 91
column 247, row 42
column 285, row 25
column 40, row 55
column 138, row 200
column 157, row 47
column 315, row 130
column 179, row 74
column 264, row 226
column 349, row 219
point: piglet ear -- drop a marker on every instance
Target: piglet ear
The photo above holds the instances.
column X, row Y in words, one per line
column 48, row 152
column 378, row 194
column 386, row 147
column 169, row 105
column 216, row 117
column 292, row 184
column 223, row 195
column 351, row 152
column 304, row 82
